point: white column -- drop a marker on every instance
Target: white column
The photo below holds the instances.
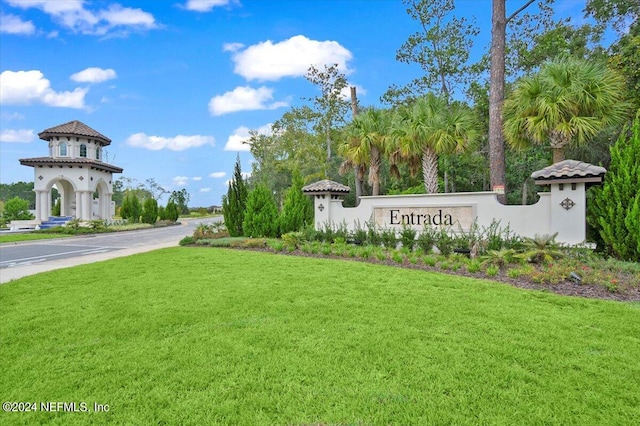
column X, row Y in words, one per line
column 78, row 205
column 48, row 197
column 38, row 212
column 63, row 208
column 86, row 205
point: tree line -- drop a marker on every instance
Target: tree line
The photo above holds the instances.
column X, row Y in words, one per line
column 546, row 90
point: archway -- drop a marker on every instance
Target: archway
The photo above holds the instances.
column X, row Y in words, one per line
column 67, row 195
column 101, row 204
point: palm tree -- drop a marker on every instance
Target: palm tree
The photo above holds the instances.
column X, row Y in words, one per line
column 369, row 137
column 567, row 101
column 431, row 127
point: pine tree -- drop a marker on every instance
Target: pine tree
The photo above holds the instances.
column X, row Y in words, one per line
column 235, row 202
column 261, row 217
column 150, row 211
column 171, row 211
column 297, row 211
column 618, row 203
column 136, row 208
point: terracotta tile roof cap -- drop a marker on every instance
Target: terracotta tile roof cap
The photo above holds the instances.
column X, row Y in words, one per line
column 45, row 161
column 326, row 186
column 569, row 169
column 74, row 128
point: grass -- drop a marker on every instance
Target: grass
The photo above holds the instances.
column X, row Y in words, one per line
column 216, row 336
column 12, row 238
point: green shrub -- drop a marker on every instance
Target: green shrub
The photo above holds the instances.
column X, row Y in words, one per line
column 359, row 235
column 444, row 241
column 186, row 241
column 131, row 208
column 397, row 256
column 389, row 239
column 427, row 239
column 429, row 260
column 251, row 243
column 16, row 209
column 171, row 212
column 499, row 258
column 492, row 271
column 150, row 211
column 542, row 249
column 292, row 239
column 373, row 236
column 408, row 236
column 261, row 216
column 297, row 210
column 616, row 207
column 276, row 245
column 473, row 266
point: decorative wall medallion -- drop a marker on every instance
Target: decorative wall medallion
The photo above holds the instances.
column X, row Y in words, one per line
column 320, row 207
column 40, row 177
column 81, row 178
column 567, row 203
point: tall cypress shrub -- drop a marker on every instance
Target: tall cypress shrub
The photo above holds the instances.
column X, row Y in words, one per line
column 150, row 211
column 297, row 211
column 261, row 217
column 171, row 211
column 235, row 202
column 131, row 209
column 617, row 205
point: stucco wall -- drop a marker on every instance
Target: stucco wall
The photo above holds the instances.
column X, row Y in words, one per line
column 460, row 210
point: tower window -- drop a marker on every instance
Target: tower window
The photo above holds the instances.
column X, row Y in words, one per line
column 83, row 150
column 63, row 149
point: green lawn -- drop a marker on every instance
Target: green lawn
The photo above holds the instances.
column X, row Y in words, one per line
column 12, row 238
column 215, row 336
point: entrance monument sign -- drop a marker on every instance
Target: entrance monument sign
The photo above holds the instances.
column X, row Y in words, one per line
column 561, row 210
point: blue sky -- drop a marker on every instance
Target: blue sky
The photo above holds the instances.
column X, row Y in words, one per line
column 177, row 84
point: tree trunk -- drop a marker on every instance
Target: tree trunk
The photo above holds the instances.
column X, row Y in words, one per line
column 359, row 184
column 558, row 142
column 496, row 97
column 374, row 171
column 430, row 170
column 558, row 155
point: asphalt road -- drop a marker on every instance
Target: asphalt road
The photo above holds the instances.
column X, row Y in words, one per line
column 21, row 259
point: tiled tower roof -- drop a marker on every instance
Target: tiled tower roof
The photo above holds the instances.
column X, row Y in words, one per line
column 74, row 128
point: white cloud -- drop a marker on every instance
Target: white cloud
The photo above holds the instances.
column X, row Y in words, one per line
column 288, row 58
column 205, row 5
column 244, row 98
column 176, row 143
column 217, row 175
column 11, row 116
column 238, row 141
column 197, row 178
column 26, row 87
column 12, row 24
column 94, row 75
column 117, row 15
column 73, row 15
column 205, row 189
column 232, row 47
column 346, row 92
column 180, row 180
column 17, row 136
